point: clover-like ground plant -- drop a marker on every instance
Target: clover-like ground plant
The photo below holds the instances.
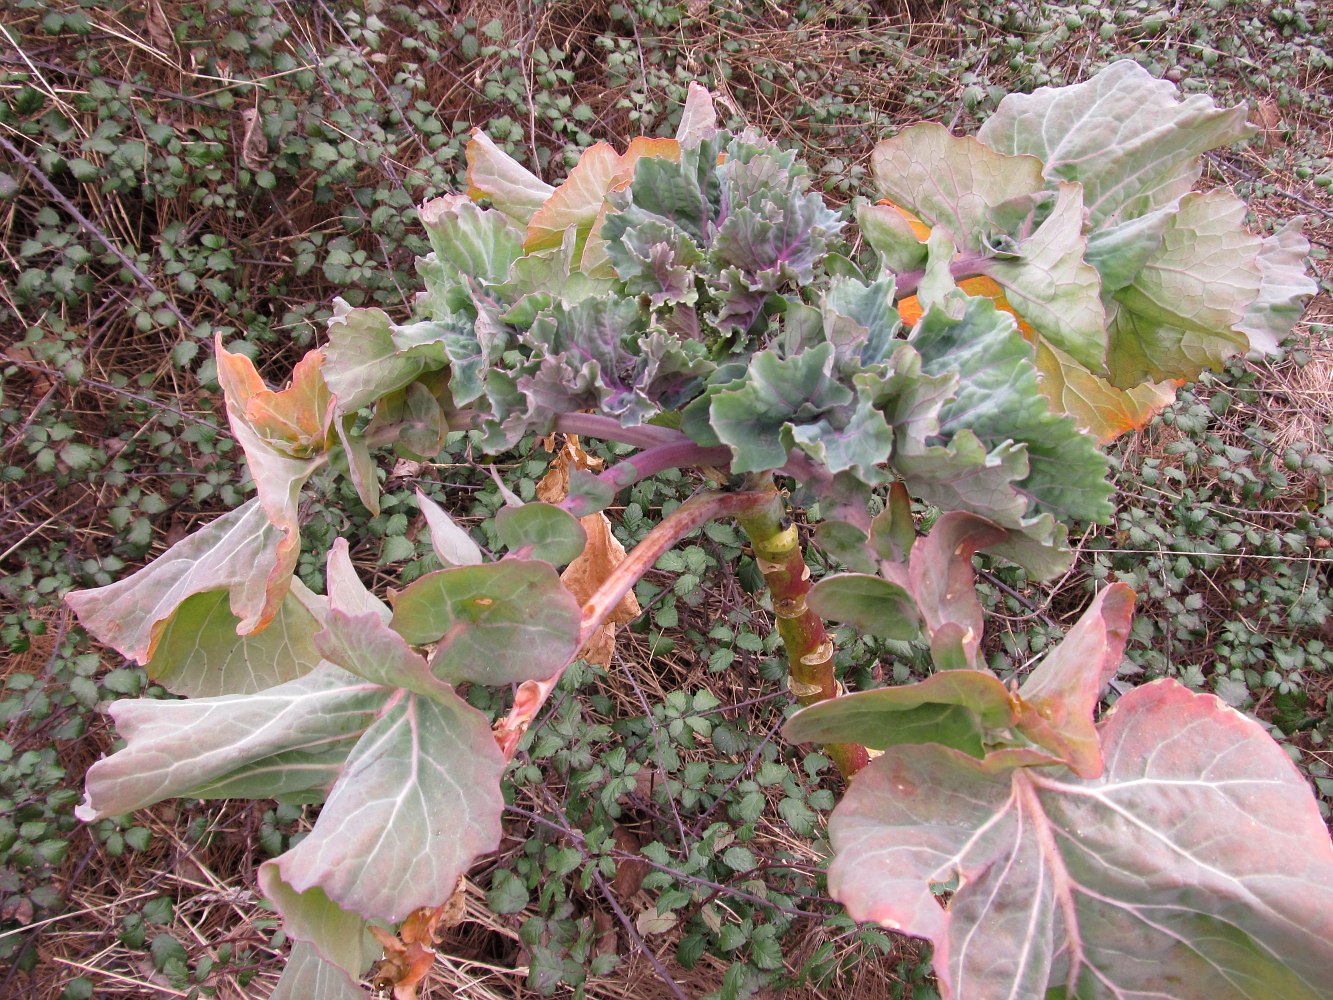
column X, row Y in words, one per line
column 1016, row 298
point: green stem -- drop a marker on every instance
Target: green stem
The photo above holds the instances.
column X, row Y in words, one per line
column 777, row 550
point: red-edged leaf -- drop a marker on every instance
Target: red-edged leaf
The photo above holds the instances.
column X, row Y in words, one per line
column 941, row 577
column 1060, row 697
column 1197, row 867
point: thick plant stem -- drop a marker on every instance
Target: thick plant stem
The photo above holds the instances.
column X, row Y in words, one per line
column 777, row 550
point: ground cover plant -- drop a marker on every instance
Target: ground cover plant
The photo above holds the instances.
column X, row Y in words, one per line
column 1218, row 525
column 1056, row 272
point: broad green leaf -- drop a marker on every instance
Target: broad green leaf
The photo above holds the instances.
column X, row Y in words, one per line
column 954, row 709
column 1122, row 134
column 889, row 234
column 240, row 551
column 413, row 417
column 453, row 546
column 893, row 530
column 846, row 543
column 1098, row 407
column 941, row 579
column 500, row 623
column 306, row 976
column 364, row 361
column 951, row 182
column 578, row 203
column 337, row 937
column 857, row 439
column 1205, row 273
column 178, row 749
column 494, row 174
column 1050, row 285
column 1284, row 289
column 541, row 531
column 419, row 799
column 1196, row 867
column 363, row 645
column 998, row 399
column 1060, row 696
column 199, row 653
column 871, row 603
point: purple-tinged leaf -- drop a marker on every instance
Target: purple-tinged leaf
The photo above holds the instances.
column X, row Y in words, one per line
column 500, row 623
column 1059, row 698
column 419, row 799
column 941, row 577
column 289, row 735
column 955, row 708
column 242, row 551
column 1197, row 867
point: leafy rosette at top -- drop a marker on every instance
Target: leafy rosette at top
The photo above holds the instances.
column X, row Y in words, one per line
column 181, row 614
column 1177, row 280
column 718, row 238
column 408, row 773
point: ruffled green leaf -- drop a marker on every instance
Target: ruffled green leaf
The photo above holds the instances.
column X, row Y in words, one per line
column 998, row 400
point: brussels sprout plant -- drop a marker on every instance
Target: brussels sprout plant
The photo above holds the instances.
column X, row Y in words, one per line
column 1010, row 302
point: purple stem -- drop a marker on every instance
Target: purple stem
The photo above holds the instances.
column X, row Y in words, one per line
column 677, row 455
column 967, row 264
column 598, row 425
